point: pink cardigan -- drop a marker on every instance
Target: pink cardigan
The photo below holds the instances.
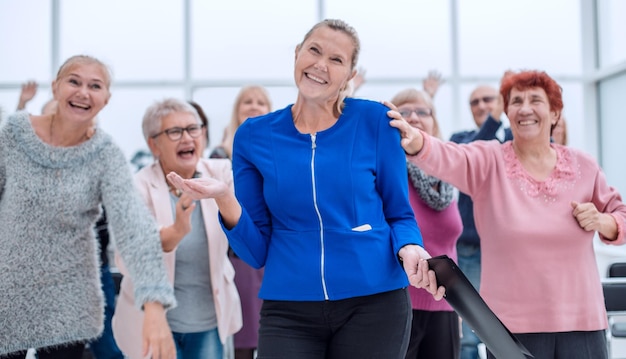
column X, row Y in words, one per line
column 128, row 318
column 539, row 271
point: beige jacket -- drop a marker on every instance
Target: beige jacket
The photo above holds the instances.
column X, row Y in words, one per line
column 128, row 318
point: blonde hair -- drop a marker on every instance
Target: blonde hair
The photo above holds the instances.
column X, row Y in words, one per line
column 233, row 125
column 85, row 60
column 414, row 95
column 342, row 26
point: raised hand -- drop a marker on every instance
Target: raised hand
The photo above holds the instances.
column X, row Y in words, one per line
column 432, row 82
column 29, row 90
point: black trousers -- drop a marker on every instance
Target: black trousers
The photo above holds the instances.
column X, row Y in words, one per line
column 434, row 335
column 565, row 345
column 374, row 326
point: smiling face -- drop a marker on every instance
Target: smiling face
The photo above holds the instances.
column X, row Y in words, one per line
column 419, row 115
column 81, row 91
column 253, row 103
column 530, row 115
column 323, row 64
column 483, row 101
column 182, row 155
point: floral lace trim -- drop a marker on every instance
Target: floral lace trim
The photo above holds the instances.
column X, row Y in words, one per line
column 563, row 177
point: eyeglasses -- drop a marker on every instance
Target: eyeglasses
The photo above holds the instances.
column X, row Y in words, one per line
column 176, row 133
column 420, row 112
column 485, row 99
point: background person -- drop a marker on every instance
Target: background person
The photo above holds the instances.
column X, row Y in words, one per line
column 537, row 207
column 321, row 191
column 194, row 245
column 435, row 331
column 252, row 101
column 55, row 173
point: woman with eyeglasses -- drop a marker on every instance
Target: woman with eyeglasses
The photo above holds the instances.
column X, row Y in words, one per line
column 435, row 325
column 194, row 245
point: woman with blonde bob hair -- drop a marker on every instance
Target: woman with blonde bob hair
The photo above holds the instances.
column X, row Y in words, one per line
column 252, row 101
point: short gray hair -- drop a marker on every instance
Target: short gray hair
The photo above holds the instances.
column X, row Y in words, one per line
column 152, row 119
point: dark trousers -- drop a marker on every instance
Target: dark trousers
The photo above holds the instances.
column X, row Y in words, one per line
column 104, row 347
column 566, row 345
column 434, row 335
column 374, row 326
column 72, row 351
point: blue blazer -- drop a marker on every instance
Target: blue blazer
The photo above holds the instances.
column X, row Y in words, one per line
column 326, row 214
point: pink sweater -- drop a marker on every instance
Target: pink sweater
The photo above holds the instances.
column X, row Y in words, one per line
column 440, row 230
column 539, row 270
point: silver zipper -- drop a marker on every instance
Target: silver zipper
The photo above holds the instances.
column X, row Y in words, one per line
column 319, row 216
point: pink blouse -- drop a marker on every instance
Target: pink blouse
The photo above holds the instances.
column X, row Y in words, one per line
column 539, row 271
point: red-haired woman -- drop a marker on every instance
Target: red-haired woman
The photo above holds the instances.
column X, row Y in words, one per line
column 537, row 206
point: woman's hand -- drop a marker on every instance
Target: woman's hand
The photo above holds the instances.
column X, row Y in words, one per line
column 184, row 209
column 432, row 82
column 172, row 235
column 157, row 336
column 414, row 259
column 411, row 139
column 590, row 219
column 199, row 188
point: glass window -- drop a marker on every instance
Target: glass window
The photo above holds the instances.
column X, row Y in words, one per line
column 8, row 103
column 573, row 111
column 399, row 38
column 247, row 39
column 139, row 39
column 611, row 30
column 25, row 45
column 612, row 129
column 122, row 117
column 495, row 36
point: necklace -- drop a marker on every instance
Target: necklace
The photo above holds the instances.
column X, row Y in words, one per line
column 175, row 191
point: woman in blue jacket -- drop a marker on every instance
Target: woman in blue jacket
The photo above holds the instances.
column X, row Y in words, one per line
column 321, row 202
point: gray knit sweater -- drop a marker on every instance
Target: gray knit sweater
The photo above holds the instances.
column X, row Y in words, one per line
column 50, row 199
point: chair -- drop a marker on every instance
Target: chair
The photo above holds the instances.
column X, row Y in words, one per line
column 614, row 290
column 617, row 269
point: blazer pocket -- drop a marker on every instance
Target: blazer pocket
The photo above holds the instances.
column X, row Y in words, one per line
column 362, row 228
